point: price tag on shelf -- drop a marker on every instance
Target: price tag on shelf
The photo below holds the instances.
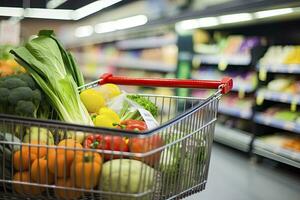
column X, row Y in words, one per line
column 241, row 93
column 260, row 98
column 196, row 62
column 262, row 74
column 222, row 64
column 294, row 103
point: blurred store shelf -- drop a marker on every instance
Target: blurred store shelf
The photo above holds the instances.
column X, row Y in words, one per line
column 233, row 137
column 244, row 113
column 276, row 123
column 134, row 63
column 244, row 88
column 149, row 42
column 279, row 96
column 276, row 153
column 225, row 59
column 280, row 68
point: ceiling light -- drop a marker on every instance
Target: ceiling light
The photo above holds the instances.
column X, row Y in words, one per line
column 92, row 8
column 105, row 27
column 130, row 22
column 84, row 31
column 186, row 25
column 121, row 24
column 271, row 13
column 48, row 13
column 197, row 23
column 207, row 22
column 55, row 3
column 241, row 17
column 11, row 11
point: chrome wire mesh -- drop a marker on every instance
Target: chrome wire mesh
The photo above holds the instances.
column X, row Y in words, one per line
column 176, row 168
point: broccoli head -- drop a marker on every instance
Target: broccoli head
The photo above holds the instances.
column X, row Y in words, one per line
column 20, row 95
column 4, row 93
column 13, row 82
column 28, row 79
column 26, row 109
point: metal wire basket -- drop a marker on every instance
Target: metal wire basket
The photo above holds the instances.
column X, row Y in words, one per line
column 171, row 162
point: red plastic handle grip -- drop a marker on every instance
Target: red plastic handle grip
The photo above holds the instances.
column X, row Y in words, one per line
column 225, row 84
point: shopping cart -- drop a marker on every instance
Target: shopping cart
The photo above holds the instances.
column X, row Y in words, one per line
column 174, row 162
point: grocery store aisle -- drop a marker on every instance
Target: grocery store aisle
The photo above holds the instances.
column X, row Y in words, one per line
column 232, row 176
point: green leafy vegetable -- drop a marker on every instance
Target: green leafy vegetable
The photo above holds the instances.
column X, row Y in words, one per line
column 55, row 71
column 19, row 95
column 128, row 113
column 68, row 59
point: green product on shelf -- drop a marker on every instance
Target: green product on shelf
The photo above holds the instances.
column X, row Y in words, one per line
column 286, row 115
column 279, row 84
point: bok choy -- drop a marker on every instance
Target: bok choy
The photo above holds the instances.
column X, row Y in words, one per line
column 55, row 71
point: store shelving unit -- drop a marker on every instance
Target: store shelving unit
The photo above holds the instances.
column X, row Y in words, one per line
column 260, row 124
column 280, row 68
column 138, row 64
column 282, row 97
column 277, row 123
column 233, row 137
column 131, row 57
column 240, row 60
column 148, row 42
column 267, row 98
column 245, row 89
column 276, row 153
column 134, row 64
column 246, row 113
column 231, row 63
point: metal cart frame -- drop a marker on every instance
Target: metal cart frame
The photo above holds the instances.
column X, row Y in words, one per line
column 174, row 162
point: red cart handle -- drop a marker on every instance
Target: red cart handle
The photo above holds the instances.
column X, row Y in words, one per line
column 225, row 84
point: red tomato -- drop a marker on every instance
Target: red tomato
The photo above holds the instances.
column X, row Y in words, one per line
column 143, row 145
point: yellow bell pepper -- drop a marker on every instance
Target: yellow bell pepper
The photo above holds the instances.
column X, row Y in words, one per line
column 92, row 99
column 106, row 118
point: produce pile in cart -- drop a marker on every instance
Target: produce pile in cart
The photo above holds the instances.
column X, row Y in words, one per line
column 62, row 139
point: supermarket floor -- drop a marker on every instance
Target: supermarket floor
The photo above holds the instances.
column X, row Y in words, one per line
column 233, row 176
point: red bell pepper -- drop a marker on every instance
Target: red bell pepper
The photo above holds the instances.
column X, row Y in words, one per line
column 114, row 143
column 133, row 125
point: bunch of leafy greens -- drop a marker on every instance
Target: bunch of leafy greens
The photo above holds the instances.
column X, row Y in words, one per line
column 128, row 112
column 55, row 71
